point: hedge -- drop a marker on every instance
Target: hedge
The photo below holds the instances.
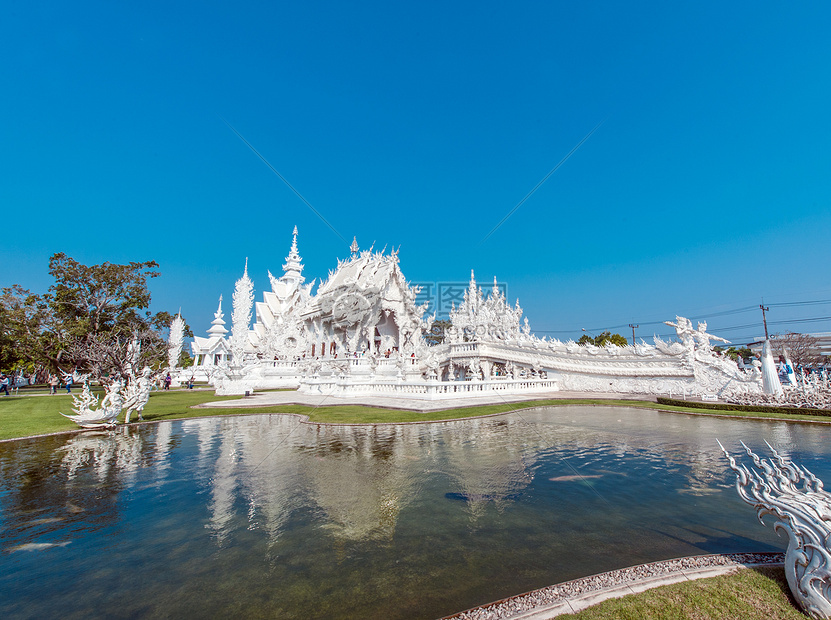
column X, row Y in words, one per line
column 728, row 407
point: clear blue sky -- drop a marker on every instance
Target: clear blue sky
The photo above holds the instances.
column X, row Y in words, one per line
column 421, row 125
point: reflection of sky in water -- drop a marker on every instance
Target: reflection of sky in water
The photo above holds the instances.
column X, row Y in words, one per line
column 262, row 515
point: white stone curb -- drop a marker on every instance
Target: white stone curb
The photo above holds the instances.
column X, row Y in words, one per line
column 573, row 596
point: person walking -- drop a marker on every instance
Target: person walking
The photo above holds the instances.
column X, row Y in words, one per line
column 4, row 384
column 53, row 384
column 69, row 384
column 167, row 381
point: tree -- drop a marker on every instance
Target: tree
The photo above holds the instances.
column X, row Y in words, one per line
column 100, row 299
column 734, row 352
column 101, row 309
column 87, row 320
column 437, row 332
column 29, row 334
column 601, row 340
column 802, row 349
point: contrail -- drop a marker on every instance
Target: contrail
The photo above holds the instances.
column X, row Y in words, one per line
column 284, row 180
column 544, row 179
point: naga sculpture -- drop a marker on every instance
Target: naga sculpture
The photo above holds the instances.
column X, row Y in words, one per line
column 796, row 498
column 87, row 416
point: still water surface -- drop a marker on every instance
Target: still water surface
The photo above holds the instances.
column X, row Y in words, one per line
column 265, row 517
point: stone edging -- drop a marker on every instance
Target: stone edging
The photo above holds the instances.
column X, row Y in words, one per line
column 573, row 596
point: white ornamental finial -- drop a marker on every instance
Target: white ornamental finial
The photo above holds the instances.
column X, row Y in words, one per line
column 217, row 328
column 354, row 247
column 241, row 318
column 175, row 340
column 293, row 267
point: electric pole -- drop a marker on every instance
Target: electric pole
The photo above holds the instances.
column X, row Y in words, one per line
column 764, row 319
column 633, row 332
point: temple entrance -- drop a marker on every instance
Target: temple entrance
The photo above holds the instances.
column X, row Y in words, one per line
column 387, row 330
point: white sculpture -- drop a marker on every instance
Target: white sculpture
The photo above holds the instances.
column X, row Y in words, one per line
column 809, row 391
column 175, row 340
column 129, row 393
column 241, row 319
column 87, row 416
column 770, row 376
column 138, row 394
column 802, row 508
column 77, row 377
column 703, row 338
column 685, row 331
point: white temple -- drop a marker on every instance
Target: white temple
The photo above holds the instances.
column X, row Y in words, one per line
column 361, row 332
column 212, row 352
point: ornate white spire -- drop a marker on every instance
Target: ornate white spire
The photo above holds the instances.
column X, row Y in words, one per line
column 241, row 318
column 473, row 295
column 218, row 325
column 293, row 268
column 175, row 340
column 354, row 247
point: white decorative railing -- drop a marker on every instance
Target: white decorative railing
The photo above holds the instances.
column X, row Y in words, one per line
column 336, row 386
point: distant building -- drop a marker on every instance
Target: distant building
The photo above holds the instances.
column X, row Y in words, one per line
column 211, row 351
column 822, row 349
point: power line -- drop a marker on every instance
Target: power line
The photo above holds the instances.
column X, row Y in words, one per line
column 720, row 329
column 817, row 302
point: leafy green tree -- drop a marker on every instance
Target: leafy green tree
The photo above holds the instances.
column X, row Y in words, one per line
column 734, row 352
column 602, row 339
column 185, row 359
column 437, row 332
column 29, row 335
column 100, row 299
column 87, row 320
column 101, row 309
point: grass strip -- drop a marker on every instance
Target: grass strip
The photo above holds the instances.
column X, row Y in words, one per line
column 23, row 416
column 755, row 408
column 751, row 594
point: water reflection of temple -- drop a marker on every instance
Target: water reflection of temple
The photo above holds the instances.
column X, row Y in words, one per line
column 358, row 482
column 358, row 478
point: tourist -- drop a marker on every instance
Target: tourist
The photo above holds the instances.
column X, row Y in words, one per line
column 4, row 384
column 167, row 380
column 53, row 383
column 190, row 383
column 69, row 384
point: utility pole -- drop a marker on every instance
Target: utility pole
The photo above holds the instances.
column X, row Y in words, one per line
column 633, row 332
column 764, row 319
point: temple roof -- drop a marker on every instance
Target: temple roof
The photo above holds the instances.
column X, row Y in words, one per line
column 363, row 271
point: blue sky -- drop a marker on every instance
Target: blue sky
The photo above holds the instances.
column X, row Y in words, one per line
column 706, row 189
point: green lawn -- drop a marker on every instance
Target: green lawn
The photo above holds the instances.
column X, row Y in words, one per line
column 751, row 594
column 32, row 414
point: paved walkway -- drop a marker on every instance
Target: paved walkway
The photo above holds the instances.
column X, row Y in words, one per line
column 291, row 397
column 573, row 596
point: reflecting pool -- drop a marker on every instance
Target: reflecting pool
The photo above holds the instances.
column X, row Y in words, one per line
column 264, row 516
